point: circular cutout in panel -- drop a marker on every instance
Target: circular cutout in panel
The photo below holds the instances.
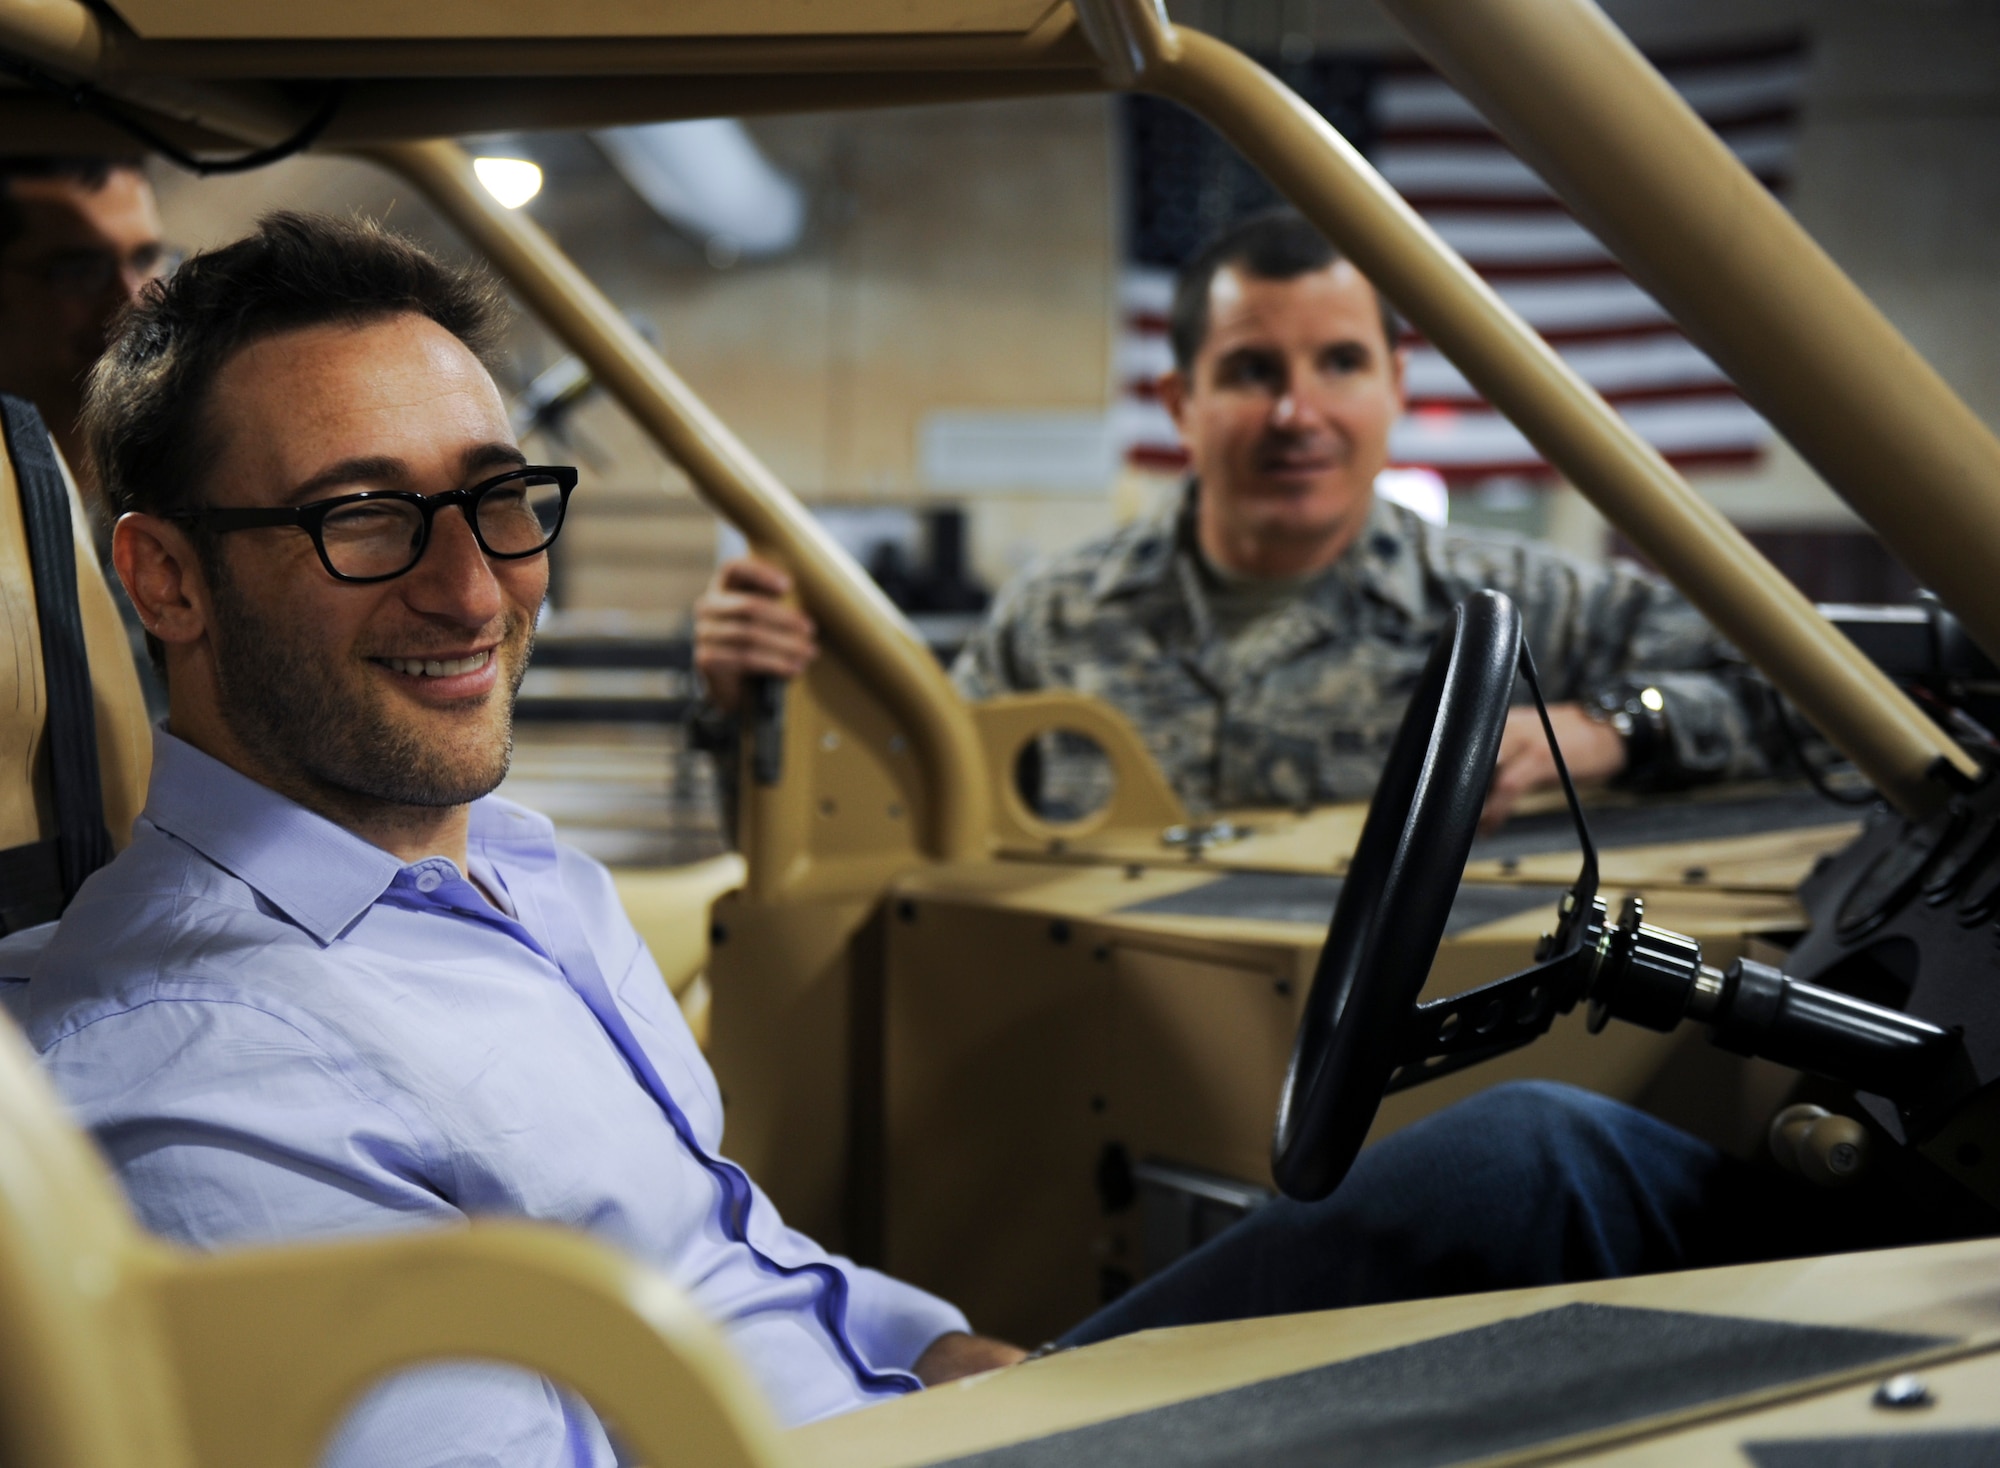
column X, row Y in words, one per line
column 1063, row 776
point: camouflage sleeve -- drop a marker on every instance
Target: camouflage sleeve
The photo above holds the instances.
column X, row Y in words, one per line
column 1620, row 640
column 976, row 670
column 1646, row 658
column 992, row 661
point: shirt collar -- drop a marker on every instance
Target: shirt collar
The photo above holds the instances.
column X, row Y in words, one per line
column 1386, row 558
column 1144, row 556
column 320, row 875
column 1383, row 560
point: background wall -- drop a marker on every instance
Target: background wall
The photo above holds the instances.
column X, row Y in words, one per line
column 966, row 259
column 956, row 258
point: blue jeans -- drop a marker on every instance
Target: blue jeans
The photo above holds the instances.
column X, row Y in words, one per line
column 1530, row 1183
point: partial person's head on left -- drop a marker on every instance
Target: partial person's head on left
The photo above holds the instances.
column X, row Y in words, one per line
column 79, row 241
column 317, row 359
column 1287, row 378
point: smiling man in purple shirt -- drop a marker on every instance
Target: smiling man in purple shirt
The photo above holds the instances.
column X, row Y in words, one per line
column 334, row 985
column 330, row 987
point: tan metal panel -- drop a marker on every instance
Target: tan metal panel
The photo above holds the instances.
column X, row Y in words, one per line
column 1322, row 841
column 1031, row 1019
column 217, row 20
column 1141, row 803
column 1942, row 1289
column 671, row 909
column 1963, row 1392
column 1053, row 41
column 780, row 1037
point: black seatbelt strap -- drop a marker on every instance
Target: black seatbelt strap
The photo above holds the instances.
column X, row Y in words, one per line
column 82, row 844
column 30, row 886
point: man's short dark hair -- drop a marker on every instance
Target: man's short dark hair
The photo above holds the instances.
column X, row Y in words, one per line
column 146, row 411
column 1279, row 244
column 91, row 171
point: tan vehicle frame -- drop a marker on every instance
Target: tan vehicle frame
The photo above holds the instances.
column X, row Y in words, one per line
column 897, row 798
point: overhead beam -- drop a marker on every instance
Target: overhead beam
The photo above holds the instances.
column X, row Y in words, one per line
column 61, row 35
column 1056, row 44
column 70, row 43
column 39, row 122
column 403, row 90
column 380, row 112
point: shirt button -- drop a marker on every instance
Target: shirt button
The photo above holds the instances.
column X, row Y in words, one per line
column 429, row 880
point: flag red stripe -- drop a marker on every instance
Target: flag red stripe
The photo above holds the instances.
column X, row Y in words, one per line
column 1536, row 203
column 1683, row 392
column 1747, row 93
column 1632, row 330
column 1720, row 120
column 1700, row 58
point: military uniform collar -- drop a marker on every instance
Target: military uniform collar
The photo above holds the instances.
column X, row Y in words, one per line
column 1384, row 559
column 1143, row 557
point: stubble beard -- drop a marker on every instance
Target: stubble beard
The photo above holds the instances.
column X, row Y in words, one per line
column 329, row 738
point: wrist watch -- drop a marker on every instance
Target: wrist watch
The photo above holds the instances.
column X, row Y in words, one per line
column 1637, row 712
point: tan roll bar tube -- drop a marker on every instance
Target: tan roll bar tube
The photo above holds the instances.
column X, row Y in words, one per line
column 1865, row 715
column 848, row 606
column 59, row 34
column 1579, row 102
column 68, row 40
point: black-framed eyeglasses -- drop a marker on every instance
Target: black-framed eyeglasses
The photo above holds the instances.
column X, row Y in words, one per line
column 380, row 534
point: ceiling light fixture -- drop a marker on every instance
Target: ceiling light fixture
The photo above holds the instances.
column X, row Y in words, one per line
column 511, row 181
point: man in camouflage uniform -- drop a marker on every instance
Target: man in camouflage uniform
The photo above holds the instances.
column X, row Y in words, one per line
column 1263, row 635
column 1299, row 706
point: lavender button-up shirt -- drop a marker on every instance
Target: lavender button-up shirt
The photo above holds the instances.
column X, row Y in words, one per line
column 279, row 1031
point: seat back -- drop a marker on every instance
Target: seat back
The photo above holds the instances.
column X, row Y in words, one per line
column 672, row 908
column 118, row 1351
column 124, row 743
column 78, row 1383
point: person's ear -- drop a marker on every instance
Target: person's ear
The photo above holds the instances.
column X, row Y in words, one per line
column 1399, row 366
column 162, row 575
column 1173, row 389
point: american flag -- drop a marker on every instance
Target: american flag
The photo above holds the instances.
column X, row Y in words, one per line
column 1433, row 147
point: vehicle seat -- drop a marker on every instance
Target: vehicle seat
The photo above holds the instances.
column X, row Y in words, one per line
column 670, row 908
column 124, row 742
column 117, row 1350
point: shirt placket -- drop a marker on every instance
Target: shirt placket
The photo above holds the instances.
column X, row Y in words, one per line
column 438, row 886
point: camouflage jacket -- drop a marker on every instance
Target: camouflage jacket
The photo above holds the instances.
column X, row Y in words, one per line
column 1301, row 706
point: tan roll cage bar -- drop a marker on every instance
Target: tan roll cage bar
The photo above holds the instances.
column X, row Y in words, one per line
column 1807, row 349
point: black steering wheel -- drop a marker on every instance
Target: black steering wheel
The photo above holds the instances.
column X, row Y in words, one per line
column 1391, row 913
